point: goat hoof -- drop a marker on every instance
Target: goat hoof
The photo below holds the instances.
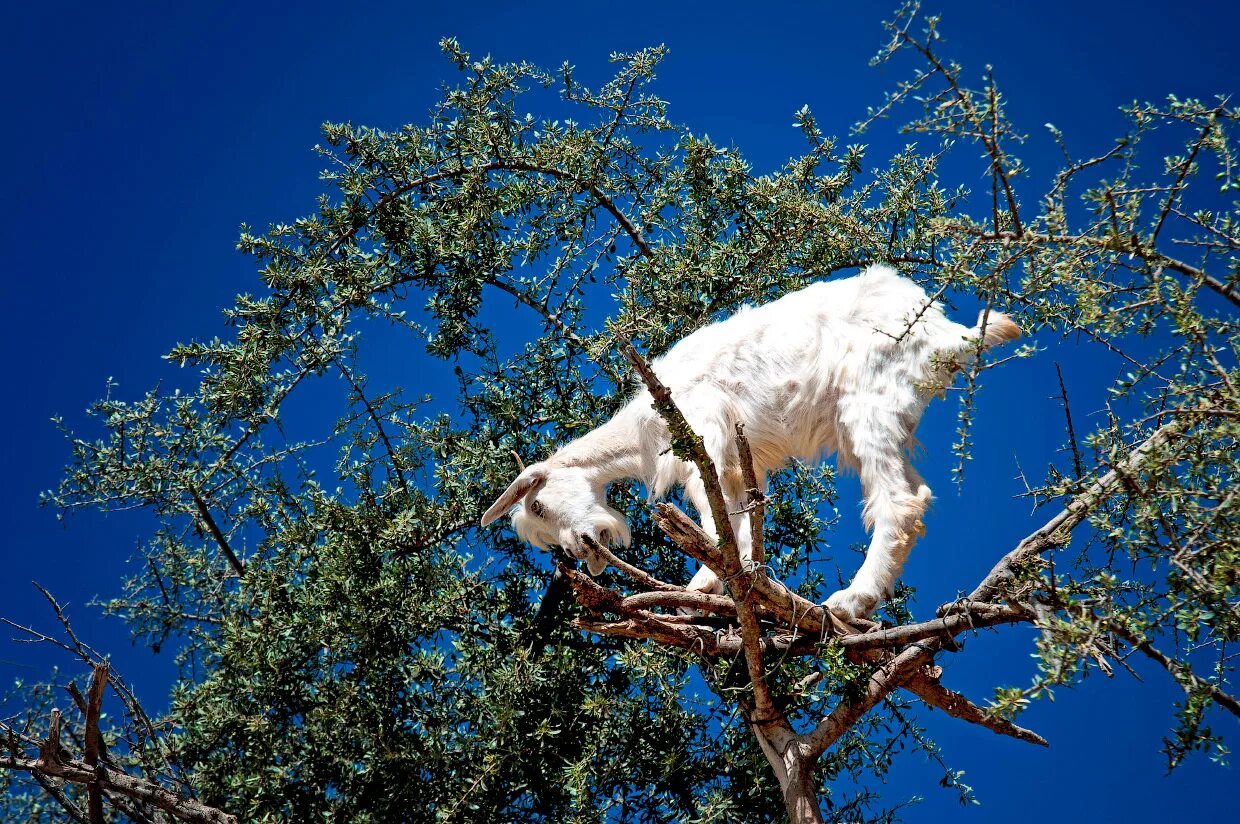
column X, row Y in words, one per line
column 849, row 604
column 705, row 580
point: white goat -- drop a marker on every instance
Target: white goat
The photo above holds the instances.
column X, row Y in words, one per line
column 843, row 366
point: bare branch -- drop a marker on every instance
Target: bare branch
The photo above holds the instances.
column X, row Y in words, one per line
column 114, row 781
column 94, row 739
column 688, row 446
column 885, row 679
column 799, row 613
column 930, row 690
column 637, row 574
column 975, row 617
column 741, row 582
column 683, row 599
column 57, row 792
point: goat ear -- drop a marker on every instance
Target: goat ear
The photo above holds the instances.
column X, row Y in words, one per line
column 533, row 477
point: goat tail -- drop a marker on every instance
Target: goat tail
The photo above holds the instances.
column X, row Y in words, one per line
column 995, row 328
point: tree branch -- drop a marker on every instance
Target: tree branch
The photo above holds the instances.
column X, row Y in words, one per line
column 757, row 501
column 740, row 582
column 930, row 690
column 214, row 529
column 904, row 667
column 636, row 573
column 115, row 781
column 1055, row 531
column 1181, row 672
column 1153, row 256
column 886, row 678
column 975, row 616
column 94, row 739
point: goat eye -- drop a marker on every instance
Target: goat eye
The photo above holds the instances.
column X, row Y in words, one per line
column 537, row 508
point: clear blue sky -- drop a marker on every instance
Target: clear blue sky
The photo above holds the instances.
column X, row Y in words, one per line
column 137, row 141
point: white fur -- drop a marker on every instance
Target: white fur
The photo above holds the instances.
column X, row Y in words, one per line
column 831, row 368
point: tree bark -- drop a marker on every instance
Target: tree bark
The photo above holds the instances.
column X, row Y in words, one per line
column 800, row 800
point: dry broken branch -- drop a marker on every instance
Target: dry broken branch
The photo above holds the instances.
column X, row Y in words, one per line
column 54, row 763
column 94, row 739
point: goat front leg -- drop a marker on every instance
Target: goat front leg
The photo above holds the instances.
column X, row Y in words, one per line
column 705, row 579
column 895, row 500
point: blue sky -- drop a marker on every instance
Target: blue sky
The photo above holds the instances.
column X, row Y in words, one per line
column 138, row 140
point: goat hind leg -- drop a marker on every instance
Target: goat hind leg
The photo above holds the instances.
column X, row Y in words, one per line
column 895, row 500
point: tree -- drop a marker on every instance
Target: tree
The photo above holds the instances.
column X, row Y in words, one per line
column 309, row 597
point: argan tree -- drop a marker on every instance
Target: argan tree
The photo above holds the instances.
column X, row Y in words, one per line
column 353, row 647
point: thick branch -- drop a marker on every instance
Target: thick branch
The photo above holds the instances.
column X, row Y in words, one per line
column 690, row 537
column 683, row 599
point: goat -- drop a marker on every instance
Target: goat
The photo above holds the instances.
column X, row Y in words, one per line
column 844, row 366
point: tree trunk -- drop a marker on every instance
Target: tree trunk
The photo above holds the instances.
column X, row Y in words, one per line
column 797, row 784
column 794, row 771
